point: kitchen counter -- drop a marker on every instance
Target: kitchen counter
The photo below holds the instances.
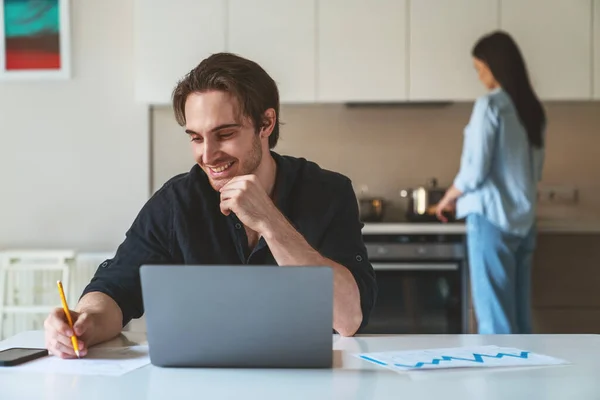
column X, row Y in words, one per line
column 406, row 228
column 350, row 377
column 549, row 220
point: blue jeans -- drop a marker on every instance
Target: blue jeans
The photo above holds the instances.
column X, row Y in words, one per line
column 500, row 274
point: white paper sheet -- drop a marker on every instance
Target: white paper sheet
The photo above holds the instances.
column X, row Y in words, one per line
column 459, row 357
column 107, row 361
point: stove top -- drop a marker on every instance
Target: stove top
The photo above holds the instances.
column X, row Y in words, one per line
column 419, row 222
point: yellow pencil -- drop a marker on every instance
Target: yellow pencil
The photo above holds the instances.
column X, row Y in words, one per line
column 68, row 314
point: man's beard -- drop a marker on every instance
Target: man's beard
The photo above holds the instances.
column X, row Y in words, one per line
column 249, row 166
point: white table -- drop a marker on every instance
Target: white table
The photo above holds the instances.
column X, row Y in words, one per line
column 351, row 378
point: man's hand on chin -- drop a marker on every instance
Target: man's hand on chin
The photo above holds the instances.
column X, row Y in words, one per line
column 245, row 196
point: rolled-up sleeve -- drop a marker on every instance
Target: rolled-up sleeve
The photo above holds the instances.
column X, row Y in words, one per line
column 478, row 146
column 343, row 243
column 148, row 241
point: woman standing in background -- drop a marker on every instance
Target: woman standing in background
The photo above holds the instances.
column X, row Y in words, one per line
column 496, row 187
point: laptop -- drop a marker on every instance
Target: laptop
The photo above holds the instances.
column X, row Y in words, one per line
column 238, row 316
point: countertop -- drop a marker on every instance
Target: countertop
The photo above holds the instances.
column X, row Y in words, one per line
column 549, row 220
column 375, row 228
column 350, row 378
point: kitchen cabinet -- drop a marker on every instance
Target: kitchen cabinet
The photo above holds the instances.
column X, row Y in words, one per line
column 362, row 50
column 596, row 49
column 555, row 38
column 442, row 34
column 564, row 284
column 565, row 281
column 171, row 40
column 368, row 50
column 280, row 35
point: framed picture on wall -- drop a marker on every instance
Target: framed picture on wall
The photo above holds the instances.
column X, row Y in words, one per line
column 34, row 40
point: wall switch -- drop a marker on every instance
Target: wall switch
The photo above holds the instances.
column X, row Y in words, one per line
column 558, row 194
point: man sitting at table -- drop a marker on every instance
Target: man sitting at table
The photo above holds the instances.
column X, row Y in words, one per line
column 242, row 203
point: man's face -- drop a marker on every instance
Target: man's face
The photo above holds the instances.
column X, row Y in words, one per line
column 225, row 143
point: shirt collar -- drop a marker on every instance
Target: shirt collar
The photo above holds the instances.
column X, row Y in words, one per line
column 284, row 181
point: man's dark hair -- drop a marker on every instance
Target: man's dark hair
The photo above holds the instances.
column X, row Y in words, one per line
column 254, row 90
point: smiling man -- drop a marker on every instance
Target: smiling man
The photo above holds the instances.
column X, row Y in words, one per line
column 241, row 203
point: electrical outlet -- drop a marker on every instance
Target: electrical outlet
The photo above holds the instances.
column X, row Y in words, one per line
column 558, row 194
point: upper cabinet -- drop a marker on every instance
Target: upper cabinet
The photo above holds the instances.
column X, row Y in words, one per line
column 280, row 36
column 362, row 50
column 442, row 34
column 555, row 38
column 596, row 49
column 171, row 38
column 321, row 51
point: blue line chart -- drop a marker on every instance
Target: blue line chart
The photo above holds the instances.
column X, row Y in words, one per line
column 373, row 360
column 477, row 358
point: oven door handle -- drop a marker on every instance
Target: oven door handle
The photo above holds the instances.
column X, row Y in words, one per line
column 414, row 266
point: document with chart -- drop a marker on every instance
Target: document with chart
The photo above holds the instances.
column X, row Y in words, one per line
column 458, row 357
column 100, row 361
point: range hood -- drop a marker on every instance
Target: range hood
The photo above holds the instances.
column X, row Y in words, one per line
column 398, row 104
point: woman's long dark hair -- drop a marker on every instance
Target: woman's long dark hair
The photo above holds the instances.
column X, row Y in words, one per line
column 502, row 55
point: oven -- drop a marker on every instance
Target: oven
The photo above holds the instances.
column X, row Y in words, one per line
column 422, row 283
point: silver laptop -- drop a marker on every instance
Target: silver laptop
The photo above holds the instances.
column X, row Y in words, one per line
column 238, row 316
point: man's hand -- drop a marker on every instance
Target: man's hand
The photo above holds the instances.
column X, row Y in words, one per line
column 245, row 196
column 58, row 333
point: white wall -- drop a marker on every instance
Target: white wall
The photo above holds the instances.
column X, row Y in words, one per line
column 74, row 154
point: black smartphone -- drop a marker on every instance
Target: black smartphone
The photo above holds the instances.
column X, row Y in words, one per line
column 20, row 355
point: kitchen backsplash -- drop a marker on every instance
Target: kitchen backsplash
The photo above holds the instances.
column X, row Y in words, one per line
column 390, row 148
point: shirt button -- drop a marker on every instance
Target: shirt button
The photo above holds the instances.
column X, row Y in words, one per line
column 358, row 257
column 238, row 226
column 104, row 264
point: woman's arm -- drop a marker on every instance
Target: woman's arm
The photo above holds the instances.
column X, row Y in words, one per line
column 476, row 159
column 478, row 150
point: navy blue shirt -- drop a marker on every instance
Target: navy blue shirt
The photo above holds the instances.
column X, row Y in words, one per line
column 182, row 224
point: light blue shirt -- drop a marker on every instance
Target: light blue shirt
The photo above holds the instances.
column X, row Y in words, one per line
column 499, row 170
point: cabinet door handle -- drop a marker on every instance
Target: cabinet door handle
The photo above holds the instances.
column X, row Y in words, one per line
column 414, row 266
